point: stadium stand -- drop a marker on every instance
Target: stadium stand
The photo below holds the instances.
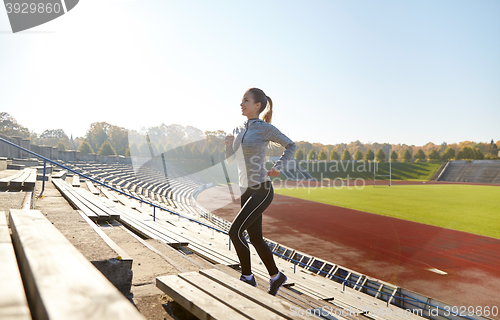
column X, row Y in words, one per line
column 213, row 246
column 297, row 170
column 314, row 284
column 437, row 174
column 490, row 173
column 476, row 171
column 147, row 183
column 293, row 170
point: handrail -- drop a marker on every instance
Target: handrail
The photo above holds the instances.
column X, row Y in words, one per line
column 442, row 172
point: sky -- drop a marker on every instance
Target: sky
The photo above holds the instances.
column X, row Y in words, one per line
column 394, row 72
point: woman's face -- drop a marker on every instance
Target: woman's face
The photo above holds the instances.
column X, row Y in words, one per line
column 249, row 108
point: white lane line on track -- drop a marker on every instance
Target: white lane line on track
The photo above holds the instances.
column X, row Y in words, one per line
column 441, row 272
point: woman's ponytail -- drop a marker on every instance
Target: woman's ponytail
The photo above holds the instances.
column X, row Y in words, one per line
column 266, row 104
column 268, row 112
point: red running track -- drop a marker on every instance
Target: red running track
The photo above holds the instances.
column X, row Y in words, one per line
column 393, row 250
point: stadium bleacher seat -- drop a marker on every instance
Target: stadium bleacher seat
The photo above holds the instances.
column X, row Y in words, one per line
column 60, row 282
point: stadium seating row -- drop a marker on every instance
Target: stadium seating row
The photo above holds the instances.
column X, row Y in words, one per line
column 85, row 202
column 146, row 183
column 214, row 246
column 341, row 286
column 477, row 171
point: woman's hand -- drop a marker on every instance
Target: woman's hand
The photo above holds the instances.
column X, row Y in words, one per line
column 273, row 172
column 229, row 140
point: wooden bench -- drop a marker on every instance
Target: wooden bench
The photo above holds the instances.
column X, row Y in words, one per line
column 91, row 187
column 303, row 301
column 109, row 195
column 30, row 182
column 85, row 201
column 74, row 200
column 95, row 202
column 213, row 294
column 213, row 250
column 143, row 225
column 76, row 181
column 60, row 282
column 123, row 255
column 59, row 175
column 12, row 166
column 126, row 201
column 5, row 182
column 168, row 202
column 13, row 302
column 25, row 179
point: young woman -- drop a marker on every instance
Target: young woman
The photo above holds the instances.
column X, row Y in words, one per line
column 247, row 146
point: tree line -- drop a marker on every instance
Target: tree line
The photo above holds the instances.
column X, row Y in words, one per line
column 398, row 153
column 465, row 153
column 179, row 142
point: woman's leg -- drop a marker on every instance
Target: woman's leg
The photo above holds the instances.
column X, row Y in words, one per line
column 254, row 202
column 263, row 250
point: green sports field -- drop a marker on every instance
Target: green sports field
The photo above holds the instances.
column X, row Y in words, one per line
column 469, row 208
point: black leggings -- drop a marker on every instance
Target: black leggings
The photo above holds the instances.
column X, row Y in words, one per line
column 254, row 201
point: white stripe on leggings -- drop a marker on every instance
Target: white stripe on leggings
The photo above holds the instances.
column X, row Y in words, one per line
column 239, row 229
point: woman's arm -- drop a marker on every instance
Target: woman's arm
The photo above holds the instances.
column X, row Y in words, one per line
column 275, row 135
column 230, row 157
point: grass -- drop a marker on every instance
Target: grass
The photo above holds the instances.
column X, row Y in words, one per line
column 331, row 170
column 468, row 208
column 400, row 171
